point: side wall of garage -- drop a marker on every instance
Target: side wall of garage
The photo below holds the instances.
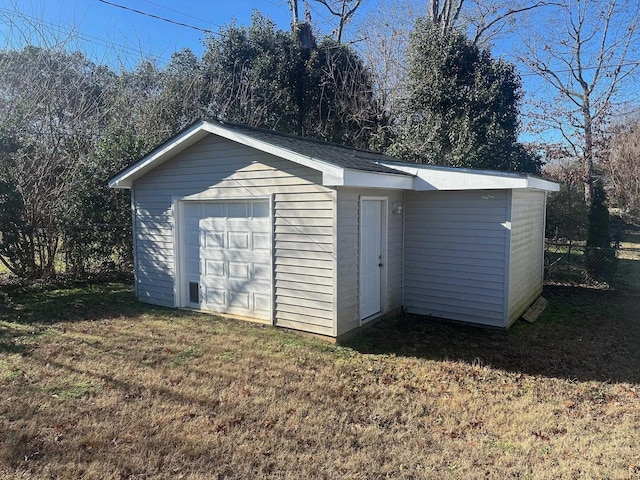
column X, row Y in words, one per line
column 526, row 265
column 220, row 169
column 455, row 259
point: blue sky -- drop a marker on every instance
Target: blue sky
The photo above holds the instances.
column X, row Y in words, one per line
column 108, row 33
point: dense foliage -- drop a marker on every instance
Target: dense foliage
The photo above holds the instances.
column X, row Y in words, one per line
column 461, row 106
column 286, row 81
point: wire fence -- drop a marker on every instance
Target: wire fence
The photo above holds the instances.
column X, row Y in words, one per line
column 568, row 261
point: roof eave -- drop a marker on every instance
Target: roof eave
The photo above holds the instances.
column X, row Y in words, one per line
column 332, row 175
column 429, row 178
column 359, row 178
column 537, row 183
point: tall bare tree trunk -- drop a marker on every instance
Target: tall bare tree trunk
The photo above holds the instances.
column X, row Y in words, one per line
column 588, row 150
column 293, row 6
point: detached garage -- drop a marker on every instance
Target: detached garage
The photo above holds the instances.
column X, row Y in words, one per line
column 322, row 238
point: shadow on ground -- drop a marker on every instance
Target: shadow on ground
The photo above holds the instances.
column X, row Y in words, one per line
column 584, row 334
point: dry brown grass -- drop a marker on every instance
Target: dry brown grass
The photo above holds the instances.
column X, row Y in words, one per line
column 93, row 385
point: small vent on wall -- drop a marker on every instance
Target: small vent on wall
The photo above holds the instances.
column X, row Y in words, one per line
column 194, row 292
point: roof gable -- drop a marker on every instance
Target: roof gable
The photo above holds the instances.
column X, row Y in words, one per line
column 336, row 163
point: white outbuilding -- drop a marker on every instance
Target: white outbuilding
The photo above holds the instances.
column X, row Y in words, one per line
column 323, row 238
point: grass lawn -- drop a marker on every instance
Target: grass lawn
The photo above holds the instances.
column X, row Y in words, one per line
column 96, row 385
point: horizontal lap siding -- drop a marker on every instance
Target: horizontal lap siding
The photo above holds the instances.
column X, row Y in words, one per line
column 455, row 255
column 304, row 260
column 348, row 254
column 303, row 221
column 526, row 264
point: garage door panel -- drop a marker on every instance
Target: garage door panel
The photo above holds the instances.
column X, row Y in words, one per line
column 215, row 268
column 238, row 241
column 216, row 297
column 262, row 271
column 261, row 241
column 228, row 252
column 238, row 270
column 239, row 300
column 213, row 239
column 262, row 303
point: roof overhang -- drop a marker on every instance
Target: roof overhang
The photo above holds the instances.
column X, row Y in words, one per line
column 432, row 178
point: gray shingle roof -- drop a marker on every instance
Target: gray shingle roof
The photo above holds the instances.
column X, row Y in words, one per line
column 334, row 154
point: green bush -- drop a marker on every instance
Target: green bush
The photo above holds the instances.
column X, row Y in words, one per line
column 600, row 251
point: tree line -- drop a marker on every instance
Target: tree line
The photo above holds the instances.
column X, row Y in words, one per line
column 67, row 124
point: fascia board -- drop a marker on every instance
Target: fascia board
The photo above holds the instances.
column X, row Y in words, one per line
column 157, row 157
column 542, row 184
column 433, row 179
column 465, row 181
column 358, row 178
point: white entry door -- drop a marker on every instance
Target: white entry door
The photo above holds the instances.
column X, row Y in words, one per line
column 371, row 257
column 228, row 257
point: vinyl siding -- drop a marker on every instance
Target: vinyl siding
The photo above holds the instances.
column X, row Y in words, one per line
column 527, row 247
column 455, row 254
column 219, row 169
column 348, row 242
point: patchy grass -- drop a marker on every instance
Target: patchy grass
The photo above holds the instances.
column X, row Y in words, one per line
column 96, row 385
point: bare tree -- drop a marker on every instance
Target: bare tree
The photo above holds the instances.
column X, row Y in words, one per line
column 483, row 20
column 487, row 21
column 623, row 167
column 53, row 103
column 344, row 10
column 445, row 14
column 293, row 6
column 584, row 55
column 385, row 33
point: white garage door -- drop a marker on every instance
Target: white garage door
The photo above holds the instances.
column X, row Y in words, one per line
column 228, row 257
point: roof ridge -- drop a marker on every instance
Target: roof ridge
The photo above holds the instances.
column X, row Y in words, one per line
column 296, row 137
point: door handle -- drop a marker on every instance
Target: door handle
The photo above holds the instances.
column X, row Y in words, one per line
column 379, row 264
